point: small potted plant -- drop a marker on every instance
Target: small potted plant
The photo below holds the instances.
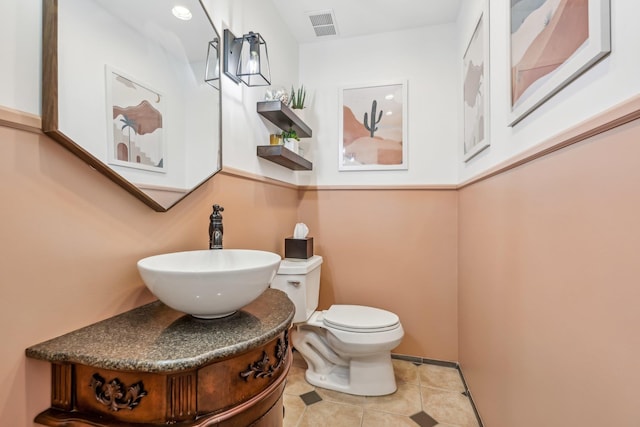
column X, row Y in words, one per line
column 297, row 100
column 290, row 138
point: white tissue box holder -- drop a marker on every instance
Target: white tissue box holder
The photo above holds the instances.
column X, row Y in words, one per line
column 298, row 248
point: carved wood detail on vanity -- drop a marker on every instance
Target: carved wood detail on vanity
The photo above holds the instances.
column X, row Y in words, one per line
column 115, row 395
column 221, row 386
column 262, row 368
column 182, row 396
column 149, row 408
column 172, row 369
column 210, row 396
column 61, row 386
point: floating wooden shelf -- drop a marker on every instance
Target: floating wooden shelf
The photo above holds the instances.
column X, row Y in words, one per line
column 283, row 117
column 284, row 157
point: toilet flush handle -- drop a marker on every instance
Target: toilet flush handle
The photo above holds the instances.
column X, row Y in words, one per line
column 295, row 283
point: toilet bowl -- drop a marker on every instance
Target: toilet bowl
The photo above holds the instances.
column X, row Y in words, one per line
column 347, row 347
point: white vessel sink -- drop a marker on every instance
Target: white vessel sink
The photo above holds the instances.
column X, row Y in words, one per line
column 209, row 283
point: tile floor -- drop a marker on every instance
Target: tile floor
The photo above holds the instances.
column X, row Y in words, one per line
column 427, row 396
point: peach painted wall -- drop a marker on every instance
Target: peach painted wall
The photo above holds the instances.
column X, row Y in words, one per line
column 70, row 242
column 394, row 249
column 549, row 287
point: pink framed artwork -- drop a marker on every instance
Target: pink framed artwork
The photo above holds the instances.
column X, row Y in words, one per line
column 552, row 43
column 135, row 123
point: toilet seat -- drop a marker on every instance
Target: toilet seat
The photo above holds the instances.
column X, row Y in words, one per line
column 360, row 319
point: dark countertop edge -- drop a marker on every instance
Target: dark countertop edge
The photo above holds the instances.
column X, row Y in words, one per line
column 169, row 366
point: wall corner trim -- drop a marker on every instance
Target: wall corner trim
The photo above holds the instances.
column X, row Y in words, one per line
column 400, row 187
column 618, row 115
column 253, row 177
column 20, row 120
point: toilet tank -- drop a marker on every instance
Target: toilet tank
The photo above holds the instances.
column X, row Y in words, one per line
column 300, row 280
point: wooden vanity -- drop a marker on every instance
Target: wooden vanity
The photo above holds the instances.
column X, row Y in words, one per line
column 155, row 366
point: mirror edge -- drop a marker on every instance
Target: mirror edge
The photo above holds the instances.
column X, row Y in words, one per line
column 50, row 110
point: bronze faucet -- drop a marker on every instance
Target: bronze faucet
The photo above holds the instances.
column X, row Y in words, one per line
column 215, row 228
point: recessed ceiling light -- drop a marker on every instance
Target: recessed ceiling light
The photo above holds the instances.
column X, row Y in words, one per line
column 181, row 12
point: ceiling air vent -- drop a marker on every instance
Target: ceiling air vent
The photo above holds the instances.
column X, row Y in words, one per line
column 323, row 22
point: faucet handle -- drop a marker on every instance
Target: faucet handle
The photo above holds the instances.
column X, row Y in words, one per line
column 217, row 209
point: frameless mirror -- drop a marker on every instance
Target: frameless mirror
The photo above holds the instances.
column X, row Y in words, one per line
column 133, row 90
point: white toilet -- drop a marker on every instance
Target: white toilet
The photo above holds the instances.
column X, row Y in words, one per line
column 347, row 347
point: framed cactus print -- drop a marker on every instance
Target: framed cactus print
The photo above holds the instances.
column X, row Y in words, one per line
column 373, row 127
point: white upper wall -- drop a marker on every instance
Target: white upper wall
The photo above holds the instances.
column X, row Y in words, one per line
column 608, row 83
column 428, row 58
column 20, row 52
column 243, row 129
column 424, row 57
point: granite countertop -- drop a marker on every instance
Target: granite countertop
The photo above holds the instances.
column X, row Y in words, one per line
column 156, row 338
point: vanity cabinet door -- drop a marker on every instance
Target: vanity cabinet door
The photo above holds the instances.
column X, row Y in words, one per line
column 232, row 382
column 268, row 412
column 273, row 418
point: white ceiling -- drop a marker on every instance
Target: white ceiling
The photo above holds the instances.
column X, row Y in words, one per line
column 360, row 17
